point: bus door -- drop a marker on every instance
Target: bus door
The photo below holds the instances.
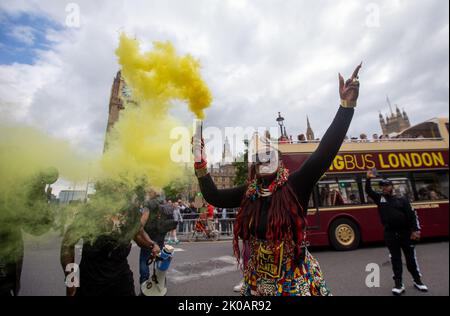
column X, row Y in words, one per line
column 313, row 212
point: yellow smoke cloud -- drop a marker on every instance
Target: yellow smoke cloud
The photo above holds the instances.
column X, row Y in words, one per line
column 26, row 155
column 139, row 144
column 163, row 75
column 24, row 151
column 138, row 151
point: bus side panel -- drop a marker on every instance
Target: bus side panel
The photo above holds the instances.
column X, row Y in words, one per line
column 317, row 238
column 367, row 220
column 369, row 224
column 434, row 221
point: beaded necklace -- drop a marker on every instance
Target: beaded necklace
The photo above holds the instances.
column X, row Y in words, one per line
column 255, row 190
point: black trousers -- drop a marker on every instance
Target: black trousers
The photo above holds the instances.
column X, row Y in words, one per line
column 120, row 286
column 7, row 291
column 10, row 278
column 396, row 243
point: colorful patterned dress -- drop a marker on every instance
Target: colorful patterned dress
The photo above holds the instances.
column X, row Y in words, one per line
column 271, row 270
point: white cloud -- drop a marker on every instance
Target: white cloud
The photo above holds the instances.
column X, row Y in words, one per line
column 258, row 57
column 19, row 85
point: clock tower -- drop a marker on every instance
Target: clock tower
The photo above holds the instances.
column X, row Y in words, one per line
column 119, row 99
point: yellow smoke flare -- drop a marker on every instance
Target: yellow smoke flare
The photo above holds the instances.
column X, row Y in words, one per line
column 139, row 144
column 163, row 75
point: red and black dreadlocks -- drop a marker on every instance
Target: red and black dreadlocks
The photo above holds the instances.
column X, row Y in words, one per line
column 285, row 218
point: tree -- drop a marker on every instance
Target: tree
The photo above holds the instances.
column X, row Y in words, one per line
column 175, row 189
column 241, row 166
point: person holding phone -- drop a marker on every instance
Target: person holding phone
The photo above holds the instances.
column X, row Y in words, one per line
column 401, row 231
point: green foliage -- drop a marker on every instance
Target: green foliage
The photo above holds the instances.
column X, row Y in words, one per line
column 174, row 190
column 241, row 166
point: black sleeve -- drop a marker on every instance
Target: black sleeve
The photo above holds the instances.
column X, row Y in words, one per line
column 161, row 223
column 376, row 197
column 133, row 223
column 304, row 179
column 226, row 198
column 411, row 214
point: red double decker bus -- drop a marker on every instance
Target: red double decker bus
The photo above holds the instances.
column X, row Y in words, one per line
column 343, row 216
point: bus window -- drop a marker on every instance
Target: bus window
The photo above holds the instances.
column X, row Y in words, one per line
column 402, row 188
column 336, row 192
column 431, row 186
column 375, row 187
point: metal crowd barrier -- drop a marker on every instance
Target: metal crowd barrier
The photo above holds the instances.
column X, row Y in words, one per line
column 223, row 225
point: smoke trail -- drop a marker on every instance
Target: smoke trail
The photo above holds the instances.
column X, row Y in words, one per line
column 138, row 152
column 139, row 144
column 30, row 160
column 162, row 75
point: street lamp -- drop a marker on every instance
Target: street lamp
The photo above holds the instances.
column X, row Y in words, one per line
column 280, row 121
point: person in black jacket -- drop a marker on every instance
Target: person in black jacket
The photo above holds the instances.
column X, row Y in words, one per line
column 107, row 234
column 157, row 220
column 273, row 208
column 401, row 231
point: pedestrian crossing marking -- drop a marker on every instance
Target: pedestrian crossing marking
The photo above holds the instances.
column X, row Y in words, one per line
column 226, row 264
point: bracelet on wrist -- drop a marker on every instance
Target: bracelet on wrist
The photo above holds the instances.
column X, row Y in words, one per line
column 200, row 173
column 200, row 165
column 348, row 104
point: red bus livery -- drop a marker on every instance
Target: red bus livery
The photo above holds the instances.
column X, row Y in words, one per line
column 341, row 214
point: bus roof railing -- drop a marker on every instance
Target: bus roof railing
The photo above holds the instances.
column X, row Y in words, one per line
column 353, row 141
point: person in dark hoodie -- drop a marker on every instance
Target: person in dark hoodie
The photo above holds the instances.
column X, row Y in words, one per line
column 106, row 225
column 157, row 220
column 401, row 231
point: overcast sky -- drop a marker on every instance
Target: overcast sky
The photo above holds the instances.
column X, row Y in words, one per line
column 259, row 57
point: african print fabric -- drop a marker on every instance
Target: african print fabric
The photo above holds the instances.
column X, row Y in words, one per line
column 272, row 271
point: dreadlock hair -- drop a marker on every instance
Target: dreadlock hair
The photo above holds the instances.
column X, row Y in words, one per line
column 285, row 219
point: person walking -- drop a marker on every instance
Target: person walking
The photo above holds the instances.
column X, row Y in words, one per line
column 178, row 218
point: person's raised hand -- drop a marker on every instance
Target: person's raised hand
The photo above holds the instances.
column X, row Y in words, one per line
column 370, row 174
column 198, row 149
column 415, row 236
column 349, row 90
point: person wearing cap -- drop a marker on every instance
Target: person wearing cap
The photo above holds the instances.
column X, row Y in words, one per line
column 271, row 220
column 401, row 231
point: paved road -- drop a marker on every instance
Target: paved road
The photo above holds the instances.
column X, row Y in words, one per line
column 208, row 268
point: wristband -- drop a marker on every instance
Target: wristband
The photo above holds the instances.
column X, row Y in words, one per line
column 200, row 165
column 200, row 173
column 348, row 104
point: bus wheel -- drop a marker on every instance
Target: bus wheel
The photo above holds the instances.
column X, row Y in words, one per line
column 344, row 234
